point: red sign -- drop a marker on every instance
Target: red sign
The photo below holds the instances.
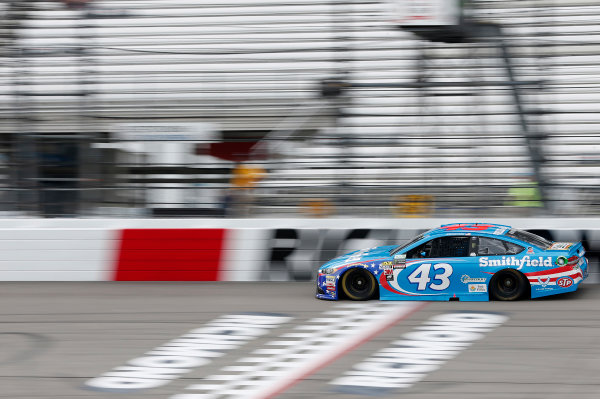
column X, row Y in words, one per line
column 170, row 255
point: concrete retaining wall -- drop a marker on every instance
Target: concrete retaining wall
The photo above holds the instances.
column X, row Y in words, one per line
column 220, row 249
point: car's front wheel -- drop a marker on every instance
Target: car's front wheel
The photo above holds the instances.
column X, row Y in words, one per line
column 359, row 284
column 508, row 285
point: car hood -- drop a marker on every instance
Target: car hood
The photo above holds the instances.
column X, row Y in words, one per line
column 362, row 255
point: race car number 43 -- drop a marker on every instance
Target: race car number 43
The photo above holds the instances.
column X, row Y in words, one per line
column 421, row 276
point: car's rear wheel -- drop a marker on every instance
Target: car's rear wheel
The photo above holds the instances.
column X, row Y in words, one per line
column 508, row 285
column 359, row 284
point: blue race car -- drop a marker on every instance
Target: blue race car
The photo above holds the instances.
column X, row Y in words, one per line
column 462, row 262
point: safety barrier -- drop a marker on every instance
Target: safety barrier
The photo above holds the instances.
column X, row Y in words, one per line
column 220, row 249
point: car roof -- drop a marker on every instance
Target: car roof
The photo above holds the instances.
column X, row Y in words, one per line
column 469, row 228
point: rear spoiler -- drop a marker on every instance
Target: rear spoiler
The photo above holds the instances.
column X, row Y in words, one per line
column 577, row 250
column 573, row 248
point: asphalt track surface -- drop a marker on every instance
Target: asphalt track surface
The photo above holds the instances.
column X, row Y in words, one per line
column 56, row 337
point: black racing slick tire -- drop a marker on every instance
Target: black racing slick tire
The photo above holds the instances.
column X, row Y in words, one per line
column 359, row 284
column 508, row 285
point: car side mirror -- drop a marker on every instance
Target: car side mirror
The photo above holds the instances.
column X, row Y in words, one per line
column 399, row 261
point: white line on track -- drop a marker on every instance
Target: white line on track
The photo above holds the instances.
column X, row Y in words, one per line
column 292, row 357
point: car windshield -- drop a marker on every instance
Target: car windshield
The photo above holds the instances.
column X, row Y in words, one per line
column 529, row 238
column 411, row 242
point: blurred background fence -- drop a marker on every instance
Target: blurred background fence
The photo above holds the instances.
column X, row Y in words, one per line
column 251, row 108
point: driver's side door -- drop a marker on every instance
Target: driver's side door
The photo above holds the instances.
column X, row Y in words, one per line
column 435, row 267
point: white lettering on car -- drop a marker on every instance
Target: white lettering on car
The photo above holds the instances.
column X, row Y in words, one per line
column 420, row 276
column 526, row 260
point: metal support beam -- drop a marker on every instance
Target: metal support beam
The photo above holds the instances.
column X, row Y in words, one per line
column 490, row 33
column 531, row 140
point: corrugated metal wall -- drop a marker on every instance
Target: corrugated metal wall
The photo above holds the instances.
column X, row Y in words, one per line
column 254, row 68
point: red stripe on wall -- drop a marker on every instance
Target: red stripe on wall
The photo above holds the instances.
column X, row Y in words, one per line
column 169, row 254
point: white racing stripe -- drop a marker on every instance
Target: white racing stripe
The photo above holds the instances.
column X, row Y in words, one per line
column 545, row 279
column 293, row 356
column 543, row 282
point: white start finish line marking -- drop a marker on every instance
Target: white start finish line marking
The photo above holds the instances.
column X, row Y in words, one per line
column 418, row 353
column 294, row 356
column 175, row 358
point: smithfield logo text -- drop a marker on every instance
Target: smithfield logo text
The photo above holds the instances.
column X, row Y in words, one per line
column 512, row 261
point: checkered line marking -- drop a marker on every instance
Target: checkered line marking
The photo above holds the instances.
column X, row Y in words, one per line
column 293, row 356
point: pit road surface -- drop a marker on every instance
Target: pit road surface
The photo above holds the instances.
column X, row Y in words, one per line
column 57, row 337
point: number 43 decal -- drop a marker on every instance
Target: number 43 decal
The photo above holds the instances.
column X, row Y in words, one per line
column 421, row 276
